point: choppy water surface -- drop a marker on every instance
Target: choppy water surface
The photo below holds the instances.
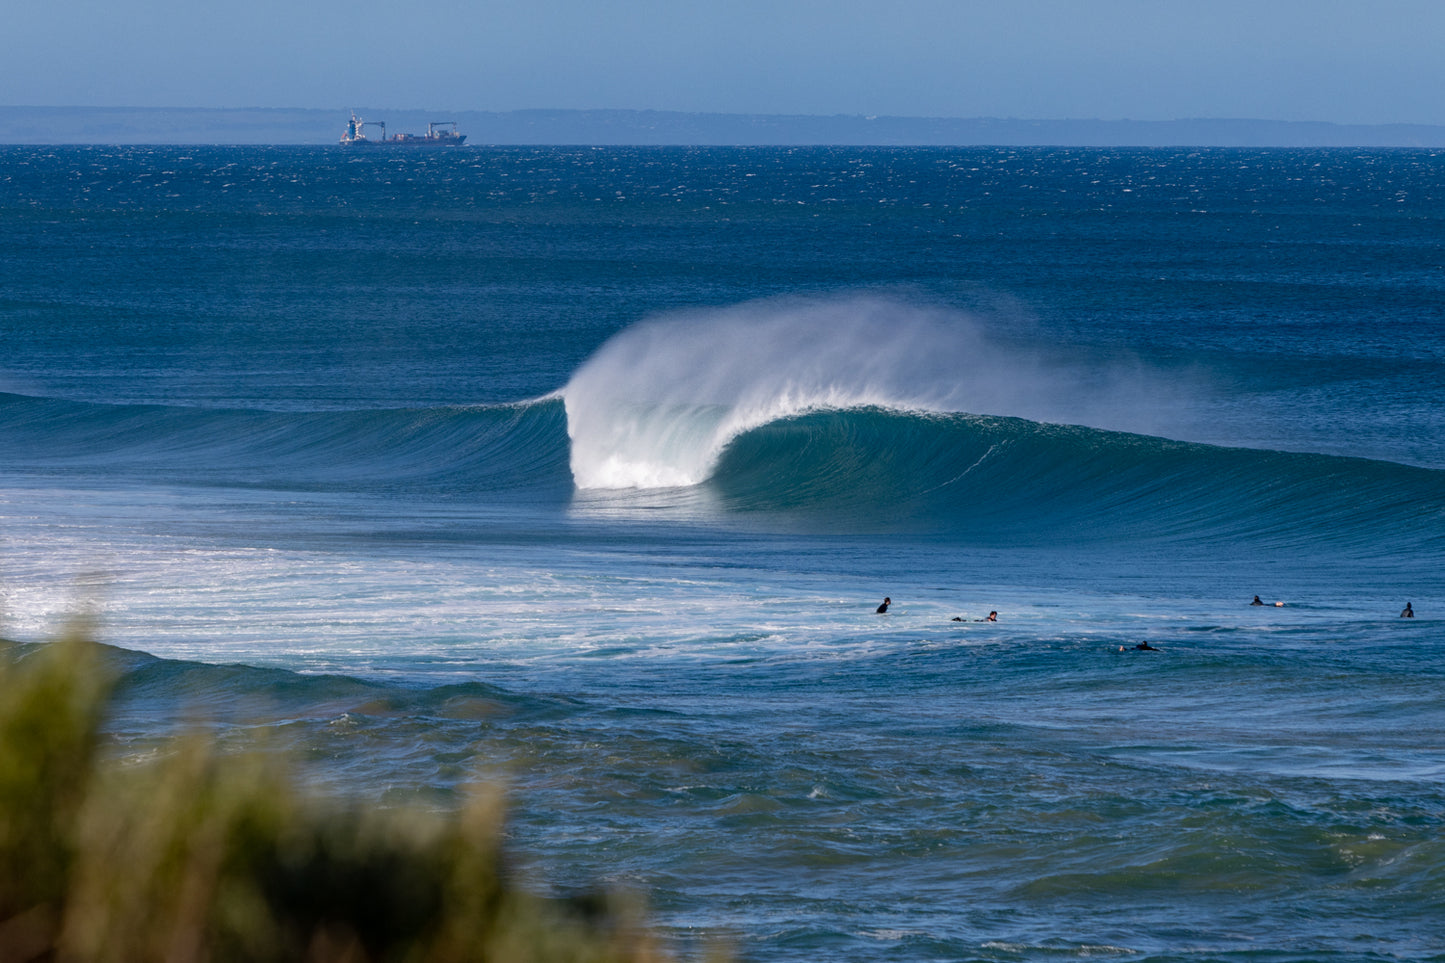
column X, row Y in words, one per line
column 585, row 470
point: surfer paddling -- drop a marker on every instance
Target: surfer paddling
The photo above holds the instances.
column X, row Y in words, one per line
column 992, row 617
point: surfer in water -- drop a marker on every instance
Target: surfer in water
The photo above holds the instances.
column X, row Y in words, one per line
column 1408, row 613
column 992, row 617
column 1256, row 601
column 884, row 607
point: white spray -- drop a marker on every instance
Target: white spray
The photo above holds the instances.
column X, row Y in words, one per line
column 656, row 405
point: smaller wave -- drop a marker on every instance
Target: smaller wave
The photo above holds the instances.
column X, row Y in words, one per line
column 516, row 448
column 182, row 692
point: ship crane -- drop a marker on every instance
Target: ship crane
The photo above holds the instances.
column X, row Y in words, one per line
column 439, row 133
column 355, row 130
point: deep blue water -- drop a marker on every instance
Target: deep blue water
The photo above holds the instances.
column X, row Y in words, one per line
column 586, row 469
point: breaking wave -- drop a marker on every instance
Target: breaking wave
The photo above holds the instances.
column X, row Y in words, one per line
column 658, row 403
column 842, row 414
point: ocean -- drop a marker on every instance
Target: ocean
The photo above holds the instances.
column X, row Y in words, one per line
column 583, row 471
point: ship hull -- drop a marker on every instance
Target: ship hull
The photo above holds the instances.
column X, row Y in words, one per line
column 413, row 142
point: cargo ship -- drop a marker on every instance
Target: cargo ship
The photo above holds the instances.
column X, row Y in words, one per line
column 441, row 133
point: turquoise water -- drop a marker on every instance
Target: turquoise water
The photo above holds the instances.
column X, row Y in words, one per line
column 586, row 469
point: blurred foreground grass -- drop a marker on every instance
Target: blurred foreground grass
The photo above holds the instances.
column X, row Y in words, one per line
column 199, row 856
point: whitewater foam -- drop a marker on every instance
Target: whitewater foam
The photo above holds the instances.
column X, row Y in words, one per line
column 658, row 403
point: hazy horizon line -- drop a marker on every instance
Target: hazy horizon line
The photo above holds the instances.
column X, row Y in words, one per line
column 859, row 115
column 94, row 125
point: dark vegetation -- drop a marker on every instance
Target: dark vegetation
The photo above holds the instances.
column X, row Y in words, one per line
column 195, row 855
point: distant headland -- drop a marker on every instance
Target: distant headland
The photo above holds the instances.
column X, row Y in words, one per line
column 178, row 125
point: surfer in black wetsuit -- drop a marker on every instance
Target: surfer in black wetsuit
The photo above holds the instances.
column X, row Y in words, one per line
column 1145, row 647
column 884, row 607
column 1408, row 613
column 1256, row 601
column 992, row 617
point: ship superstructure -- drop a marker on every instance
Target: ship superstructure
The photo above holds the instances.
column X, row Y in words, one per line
column 439, row 133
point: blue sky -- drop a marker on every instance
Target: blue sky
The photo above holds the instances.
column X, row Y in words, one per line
column 1372, row 61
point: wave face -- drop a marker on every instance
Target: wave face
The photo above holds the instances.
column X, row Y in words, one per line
column 980, row 477
column 517, row 449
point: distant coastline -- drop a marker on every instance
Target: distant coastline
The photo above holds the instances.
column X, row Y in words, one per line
column 174, row 125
